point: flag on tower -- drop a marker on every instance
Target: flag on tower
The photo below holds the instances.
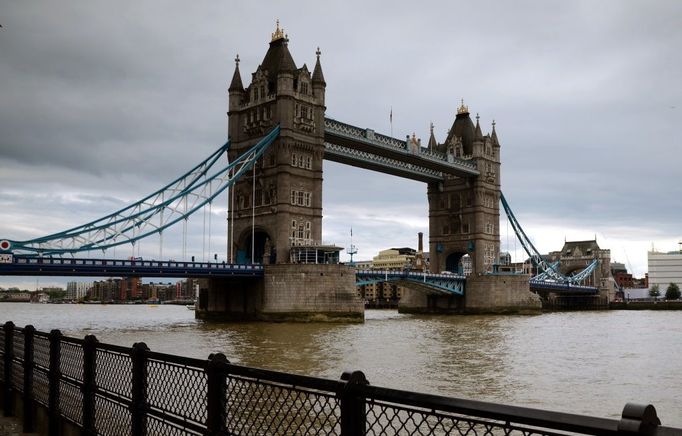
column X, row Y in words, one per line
column 390, row 116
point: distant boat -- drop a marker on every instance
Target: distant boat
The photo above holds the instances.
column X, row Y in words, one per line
column 191, row 307
column 153, row 305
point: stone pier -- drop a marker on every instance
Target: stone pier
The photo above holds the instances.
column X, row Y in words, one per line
column 488, row 293
column 287, row 292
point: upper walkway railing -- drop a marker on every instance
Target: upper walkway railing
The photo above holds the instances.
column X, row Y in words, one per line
column 365, row 148
column 112, row 390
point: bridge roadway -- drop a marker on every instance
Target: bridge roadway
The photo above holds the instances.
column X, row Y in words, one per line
column 58, row 266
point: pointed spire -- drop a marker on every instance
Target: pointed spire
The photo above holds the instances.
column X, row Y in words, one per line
column 236, row 84
column 493, row 136
column 478, row 135
column 432, row 139
column 318, row 77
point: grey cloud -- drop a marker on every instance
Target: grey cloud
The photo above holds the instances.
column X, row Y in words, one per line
column 116, row 99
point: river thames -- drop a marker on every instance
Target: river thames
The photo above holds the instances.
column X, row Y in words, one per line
column 578, row 362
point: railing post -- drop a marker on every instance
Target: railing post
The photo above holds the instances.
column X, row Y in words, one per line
column 216, row 372
column 7, row 404
column 140, row 381
column 353, row 406
column 29, row 332
column 54, row 376
column 89, row 384
column 638, row 419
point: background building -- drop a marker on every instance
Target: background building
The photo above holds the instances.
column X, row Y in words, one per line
column 665, row 268
column 394, row 258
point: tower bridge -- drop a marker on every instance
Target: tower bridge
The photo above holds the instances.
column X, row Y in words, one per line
column 278, row 138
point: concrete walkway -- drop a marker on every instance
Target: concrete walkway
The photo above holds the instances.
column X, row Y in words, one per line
column 11, row 427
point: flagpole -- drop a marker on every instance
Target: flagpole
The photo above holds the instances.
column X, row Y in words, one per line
column 390, row 117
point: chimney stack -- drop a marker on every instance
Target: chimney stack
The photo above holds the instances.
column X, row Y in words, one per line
column 420, row 246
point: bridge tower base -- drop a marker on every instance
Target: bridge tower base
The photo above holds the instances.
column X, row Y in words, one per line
column 287, row 292
column 488, row 293
column 500, row 293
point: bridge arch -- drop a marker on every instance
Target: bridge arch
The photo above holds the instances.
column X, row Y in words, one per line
column 262, row 242
column 453, row 262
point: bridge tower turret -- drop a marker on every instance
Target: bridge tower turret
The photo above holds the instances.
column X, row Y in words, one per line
column 464, row 213
column 282, row 205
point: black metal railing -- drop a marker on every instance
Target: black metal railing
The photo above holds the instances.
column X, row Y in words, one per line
column 112, row 390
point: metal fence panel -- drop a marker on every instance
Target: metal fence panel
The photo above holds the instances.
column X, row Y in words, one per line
column 258, row 407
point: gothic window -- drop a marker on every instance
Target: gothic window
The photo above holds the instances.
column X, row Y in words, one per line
column 468, row 199
column 309, row 162
column 293, row 159
column 465, row 228
column 301, row 198
column 304, row 88
column 262, row 91
column 300, row 231
column 255, row 94
column 300, row 161
column 455, row 225
column 258, row 196
column 307, row 230
column 489, row 228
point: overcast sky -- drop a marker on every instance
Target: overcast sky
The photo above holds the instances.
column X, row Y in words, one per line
column 104, row 102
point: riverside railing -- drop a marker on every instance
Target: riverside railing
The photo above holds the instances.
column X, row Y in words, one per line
column 112, row 390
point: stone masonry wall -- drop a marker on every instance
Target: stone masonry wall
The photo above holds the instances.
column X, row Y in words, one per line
column 310, row 292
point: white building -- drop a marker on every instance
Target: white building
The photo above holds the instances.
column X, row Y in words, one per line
column 665, row 268
column 77, row 290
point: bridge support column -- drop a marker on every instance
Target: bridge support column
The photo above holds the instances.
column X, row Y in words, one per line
column 417, row 301
column 288, row 292
column 500, row 293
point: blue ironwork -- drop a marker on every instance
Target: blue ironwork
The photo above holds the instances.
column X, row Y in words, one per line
column 156, row 212
column 437, row 283
column 58, row 266
column 549, row 271
column 561, row 288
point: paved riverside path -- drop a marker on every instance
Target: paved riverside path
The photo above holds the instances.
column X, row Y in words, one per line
column 11, row 427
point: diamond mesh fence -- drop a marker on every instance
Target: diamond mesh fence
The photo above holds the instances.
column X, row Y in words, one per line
column 392, row 419
column 177, row 389
column 41, row 351
column 71, row 401
column 18, row 344
column 114, row 372
column 41, row 386
column 71, row 360
column 257, row 407
column 111, row 417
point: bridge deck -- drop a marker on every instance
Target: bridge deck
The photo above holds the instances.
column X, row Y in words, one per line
column 36, row 266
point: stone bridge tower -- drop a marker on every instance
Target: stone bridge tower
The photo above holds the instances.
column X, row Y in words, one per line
column 284, row 200
column 464, row 213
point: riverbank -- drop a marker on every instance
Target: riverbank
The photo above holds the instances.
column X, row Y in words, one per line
column 647, row 305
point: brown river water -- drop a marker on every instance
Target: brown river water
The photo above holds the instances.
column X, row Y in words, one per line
column 578, row 362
